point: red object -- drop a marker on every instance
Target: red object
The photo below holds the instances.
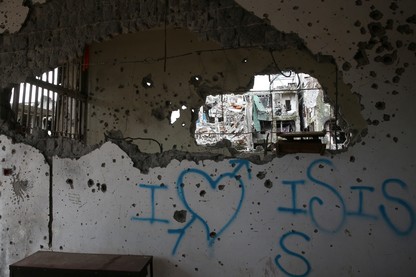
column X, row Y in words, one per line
column 86, row 60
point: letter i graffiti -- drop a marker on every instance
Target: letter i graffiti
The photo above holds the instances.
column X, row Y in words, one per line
column 152, row 217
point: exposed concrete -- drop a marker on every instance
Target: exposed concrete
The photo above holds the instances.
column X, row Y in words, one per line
column 238, row 34
column 44, row 42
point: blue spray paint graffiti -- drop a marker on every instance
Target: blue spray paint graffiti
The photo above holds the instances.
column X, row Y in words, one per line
column 210, row 237
column 402, row 203
column 389, row 190
column 152, row 219
column 344, row 213
column 294, row 254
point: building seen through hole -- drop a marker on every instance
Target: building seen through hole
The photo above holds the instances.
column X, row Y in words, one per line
column 276, row 105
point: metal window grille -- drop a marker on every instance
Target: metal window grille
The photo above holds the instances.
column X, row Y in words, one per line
column 55, row 102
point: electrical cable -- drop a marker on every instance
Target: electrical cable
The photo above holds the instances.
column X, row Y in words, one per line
column 130, row 139
column 277, row 66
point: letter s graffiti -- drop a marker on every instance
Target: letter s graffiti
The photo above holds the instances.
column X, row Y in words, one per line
column 399, row 201
column 294, row 254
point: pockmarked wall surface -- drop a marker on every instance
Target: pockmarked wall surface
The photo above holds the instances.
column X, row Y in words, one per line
column 347, row 214
column 296, row 216
column 24, row 202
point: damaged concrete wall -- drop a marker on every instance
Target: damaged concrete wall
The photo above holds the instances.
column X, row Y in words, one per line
column 120, row 99
column 24, row 202
column 300, row 215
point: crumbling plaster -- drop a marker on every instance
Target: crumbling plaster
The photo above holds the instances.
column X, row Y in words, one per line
column 35, row 48
column 362, row 247
column 119, row 101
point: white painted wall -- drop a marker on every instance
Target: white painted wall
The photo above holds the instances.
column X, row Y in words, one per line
column 24, row 202
column 353, row 245
column 332, row 238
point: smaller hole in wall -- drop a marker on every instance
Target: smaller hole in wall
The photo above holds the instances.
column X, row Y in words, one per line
column 195, row 80
column 147, row 81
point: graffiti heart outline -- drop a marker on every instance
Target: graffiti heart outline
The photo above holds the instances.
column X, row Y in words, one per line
column 213, row 183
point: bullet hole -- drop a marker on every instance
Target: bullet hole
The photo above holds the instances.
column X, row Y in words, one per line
column 357, row 23
column 158, row 113
column 386, row 117
column 400, row 71
column 196, row 269
column 394, row 92
column 389, row 24
column 374, row 86
column 159, row 177
column 93, row 190
column 268, row 184
column 70, row 183
column 121, row 86
column 245, row 60
column 352, row 159
column 103, row 165
column 411, row 19
column 380, row 105
column 376, row 29
column 315, row 231
column 363, row 31
column 7, row 171
column 103, row 187
column 358, row 2
column 212, row 235
column 202, row 193
column 404, row 29
column 361, row 57
column 412, row 46
column 13, row 151
column 346, row 66
column 261, row 175
column 373, row 74
column 396, row 79
column 386, row 59
column 358, row 180
column 395, row 139
column 180, row 216
column 221, row 187
column 182, row 185
column 90, row 183
column 195, row 80
column 376, row 15
column 393, row 6
column 147, row 81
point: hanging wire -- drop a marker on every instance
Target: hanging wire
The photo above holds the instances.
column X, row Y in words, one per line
column 277, row 66
column 130, row 139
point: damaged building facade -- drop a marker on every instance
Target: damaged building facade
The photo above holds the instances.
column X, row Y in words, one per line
column 276, row 105
column 92, row 161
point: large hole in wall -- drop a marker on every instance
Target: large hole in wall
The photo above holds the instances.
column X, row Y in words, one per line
column 153, row 98
column 280, row 108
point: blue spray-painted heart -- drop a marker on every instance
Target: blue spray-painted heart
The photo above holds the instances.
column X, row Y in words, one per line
column 214, row 185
